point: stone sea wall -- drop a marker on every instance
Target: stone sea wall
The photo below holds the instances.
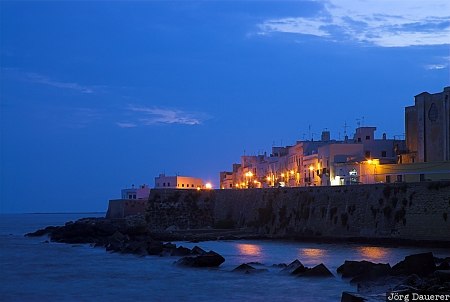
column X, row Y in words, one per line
column 415, row 211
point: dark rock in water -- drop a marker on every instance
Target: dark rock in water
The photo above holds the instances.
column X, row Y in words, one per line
column 180, row 251
column 170, row 245
column 420, row 264
column 135, row 247
column 292, row 267
column 317, row 271
column 41, row 232
column 352, row 297
column 248, row 269
column 210, row 259
column 243, row 268
column 196, row 250
column 299, row 270
column 154, row 247
column 363, row 270
column 443, row 266
column 443, row 275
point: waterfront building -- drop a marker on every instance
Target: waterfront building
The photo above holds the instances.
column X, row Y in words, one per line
column 315, row 163
column 427, row 125
column 141, row 192
column 364, row 159
column 178, row 182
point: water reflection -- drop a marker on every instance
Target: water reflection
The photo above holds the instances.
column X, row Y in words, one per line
column 310, row 253
column 372, row 252
column 249, row 249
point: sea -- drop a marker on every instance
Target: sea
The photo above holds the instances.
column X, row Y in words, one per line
column 33, row 269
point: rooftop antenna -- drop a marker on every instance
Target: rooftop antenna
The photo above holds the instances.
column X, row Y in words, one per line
column 345, row 128
column 309, row 130
column 362, row 121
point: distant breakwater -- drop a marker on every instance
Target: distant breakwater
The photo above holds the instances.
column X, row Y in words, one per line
column 408, row 211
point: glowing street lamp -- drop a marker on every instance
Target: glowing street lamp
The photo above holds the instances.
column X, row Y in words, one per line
column 208, row 186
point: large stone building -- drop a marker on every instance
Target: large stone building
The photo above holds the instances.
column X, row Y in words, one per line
column 428, row 128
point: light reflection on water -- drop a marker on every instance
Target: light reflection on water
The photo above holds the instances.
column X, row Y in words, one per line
column 249, row 249
column 312, row 253
column 373, row 253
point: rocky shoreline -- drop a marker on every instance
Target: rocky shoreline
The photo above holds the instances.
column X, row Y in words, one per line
column 419, row 274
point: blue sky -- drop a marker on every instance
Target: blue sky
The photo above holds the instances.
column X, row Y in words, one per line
column 96, row 96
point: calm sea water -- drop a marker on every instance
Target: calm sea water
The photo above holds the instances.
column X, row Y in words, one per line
column 31, row 270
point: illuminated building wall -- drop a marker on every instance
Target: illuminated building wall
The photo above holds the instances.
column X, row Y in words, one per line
column 177, row 182
column 413, row 172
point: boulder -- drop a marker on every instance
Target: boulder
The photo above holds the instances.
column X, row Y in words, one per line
column 154, row 247
column 420, row 264
column 180, row 251
column 243, row 268
column 317, row 271
column 443, row 275
column 210, row 259
column 41, row 232
column 363, row 270
column 135, row 247
column 352, row 297
column 291, row 267
column 248, row 269
column 196, row 250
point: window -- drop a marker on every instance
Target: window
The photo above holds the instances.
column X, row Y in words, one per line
column 383, row 153
column 192, row 185
column 129, row 196
column 134, row 196
column 168, row 184
column 388, row 179
column 359, row 139
column 399, row 178
column 182, row 185
column 367, row 137
column 422, row 177
column 231, row 185
column 164, row 184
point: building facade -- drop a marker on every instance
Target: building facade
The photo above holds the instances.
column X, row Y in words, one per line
column 315, row 163
column 427, row 126
column 178, row 182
